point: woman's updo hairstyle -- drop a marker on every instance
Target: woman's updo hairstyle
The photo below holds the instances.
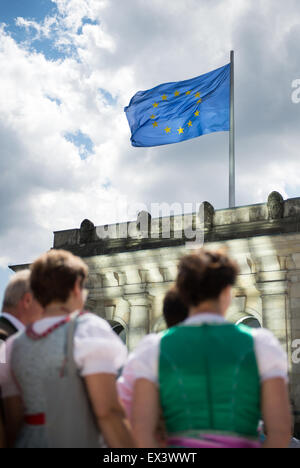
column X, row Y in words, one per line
column 204, row 275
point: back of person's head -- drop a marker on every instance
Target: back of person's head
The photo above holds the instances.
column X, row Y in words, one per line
column 54, row 275
column 174, row 310
column 18, row 286
column 204, row 275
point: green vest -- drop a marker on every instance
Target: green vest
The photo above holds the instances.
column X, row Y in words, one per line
column 209, row 380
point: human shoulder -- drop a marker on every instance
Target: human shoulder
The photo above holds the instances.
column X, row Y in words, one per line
column 92, row 317
column 7, row 382
column 271, row 356
column 266, row 338
column 92, row 323
column 143, row 361
column 97, row 348
column 149, row 341
column 15, row 339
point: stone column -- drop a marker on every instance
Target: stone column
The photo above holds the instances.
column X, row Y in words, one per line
column 138, row 326
column 275, row 316
column 294, row 302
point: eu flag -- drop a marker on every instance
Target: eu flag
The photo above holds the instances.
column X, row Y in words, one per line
column 174, row 112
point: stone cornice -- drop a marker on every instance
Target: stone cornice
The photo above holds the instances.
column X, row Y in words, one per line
column 268, row 219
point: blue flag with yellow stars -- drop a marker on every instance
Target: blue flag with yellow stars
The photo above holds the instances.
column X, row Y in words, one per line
column 174, row 112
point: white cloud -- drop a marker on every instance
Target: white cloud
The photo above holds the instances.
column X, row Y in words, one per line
column 127, row 46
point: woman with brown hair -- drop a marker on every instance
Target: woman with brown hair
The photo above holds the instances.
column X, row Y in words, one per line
column 212, row 379
column 62, row 386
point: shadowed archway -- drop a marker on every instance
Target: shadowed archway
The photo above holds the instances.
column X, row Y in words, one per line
column 119, row 330
column 249, row 321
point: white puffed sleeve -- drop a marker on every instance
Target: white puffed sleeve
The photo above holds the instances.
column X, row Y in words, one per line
column 97, row 348
column 271, row 358
column 8, row 384
column 132, row 371
column 143, row 362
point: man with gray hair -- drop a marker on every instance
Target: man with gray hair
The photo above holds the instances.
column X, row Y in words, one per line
column 19, row 306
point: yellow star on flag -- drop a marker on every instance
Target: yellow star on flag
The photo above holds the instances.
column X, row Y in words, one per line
column 168, row 130
column 180, row 130
column 164, row 98
column 199, row 102
column 177, row 93
column 152, row 116
column 155, row 124
column 198, row 95
column 197, row 113
column 190, row 124
column 188, row 92
column 155, row 104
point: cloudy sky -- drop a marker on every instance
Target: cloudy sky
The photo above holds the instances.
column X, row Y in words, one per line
column 68, row 68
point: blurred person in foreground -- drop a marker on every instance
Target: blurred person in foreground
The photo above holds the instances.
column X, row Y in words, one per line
column 63, row 394
column 174, row 312
column 19, row 309
column 212, row 379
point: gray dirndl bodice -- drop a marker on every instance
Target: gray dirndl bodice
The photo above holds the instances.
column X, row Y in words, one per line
column 50, row 384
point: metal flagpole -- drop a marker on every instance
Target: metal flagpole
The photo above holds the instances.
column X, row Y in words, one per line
column 232, row 138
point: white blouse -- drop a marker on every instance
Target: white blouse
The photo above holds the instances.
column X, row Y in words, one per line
column 143, row 362
column 97, row 350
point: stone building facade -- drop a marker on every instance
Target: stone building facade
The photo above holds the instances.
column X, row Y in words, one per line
column 132, row 265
